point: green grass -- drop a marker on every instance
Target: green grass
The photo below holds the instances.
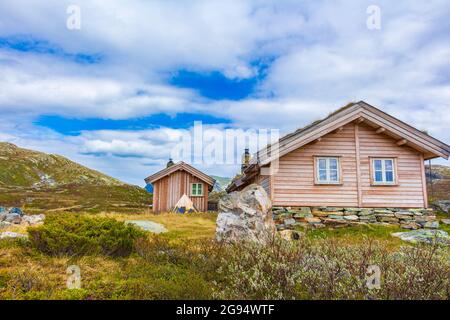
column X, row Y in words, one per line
column 359, row 233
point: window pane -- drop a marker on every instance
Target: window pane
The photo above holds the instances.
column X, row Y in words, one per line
column 194, row 189
column 378, row 176
column 388, row 164
column 322, row 175
column 322, row 163
column 199, row 189
column 333, row 163
column 333, row 175
column 377, row 164
column 389, row 176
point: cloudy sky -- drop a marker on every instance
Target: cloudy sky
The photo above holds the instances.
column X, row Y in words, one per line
column 119, row 93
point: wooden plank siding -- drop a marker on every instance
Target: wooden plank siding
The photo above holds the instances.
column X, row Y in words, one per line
column 294, row 184
column 168, row 190
column 409, row 189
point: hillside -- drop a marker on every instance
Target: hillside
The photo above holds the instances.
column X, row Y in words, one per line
column 439, row 189
column 37, row 181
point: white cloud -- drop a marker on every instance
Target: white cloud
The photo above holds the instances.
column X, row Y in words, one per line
column 323, row 57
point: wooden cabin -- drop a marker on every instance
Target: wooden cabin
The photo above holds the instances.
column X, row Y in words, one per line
column 171, row 183
column 358, row 156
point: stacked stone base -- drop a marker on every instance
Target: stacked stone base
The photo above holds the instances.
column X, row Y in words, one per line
column 319, row 217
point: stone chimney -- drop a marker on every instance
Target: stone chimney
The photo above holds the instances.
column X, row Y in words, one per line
column 170, row 163
column 245, row 159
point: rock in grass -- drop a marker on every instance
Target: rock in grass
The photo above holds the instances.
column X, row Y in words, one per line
column 33, row 219
column 290, row 235
column 149, row 226
column 12, row 235
column 445, row 221
column 13, row 218
column 424, row 236
column 431, row 224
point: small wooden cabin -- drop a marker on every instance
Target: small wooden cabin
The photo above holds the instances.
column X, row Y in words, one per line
column 358, row 156
column 171, row 183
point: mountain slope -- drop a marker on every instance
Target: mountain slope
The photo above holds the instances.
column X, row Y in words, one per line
column 221, row 183
column 28, row 168
column 40, row 181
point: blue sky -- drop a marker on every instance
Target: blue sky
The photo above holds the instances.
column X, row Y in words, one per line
column 119, row 93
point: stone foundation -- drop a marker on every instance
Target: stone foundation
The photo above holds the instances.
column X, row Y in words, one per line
column 319, row 217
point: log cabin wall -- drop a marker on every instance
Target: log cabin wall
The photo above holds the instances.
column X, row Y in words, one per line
column 294, row 183
column 168, row 190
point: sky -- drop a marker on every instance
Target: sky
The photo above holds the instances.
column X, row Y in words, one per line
column 118, row 92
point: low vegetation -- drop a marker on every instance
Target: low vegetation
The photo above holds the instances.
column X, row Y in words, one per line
column 186, row 263
column 78, row 235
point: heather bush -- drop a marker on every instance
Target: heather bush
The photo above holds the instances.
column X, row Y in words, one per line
column 325, row 269
column 76, row 235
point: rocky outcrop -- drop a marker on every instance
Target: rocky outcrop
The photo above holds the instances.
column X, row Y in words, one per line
column 16, row 216
column 318, row 217
column 245, row 216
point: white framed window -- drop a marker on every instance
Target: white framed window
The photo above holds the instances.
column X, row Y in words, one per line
column 327, row 170
column 196, row 189
column 383, row 171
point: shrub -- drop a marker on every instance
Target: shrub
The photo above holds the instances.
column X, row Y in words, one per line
column 76, row 235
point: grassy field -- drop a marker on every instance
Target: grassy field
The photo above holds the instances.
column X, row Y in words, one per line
column 184, row 263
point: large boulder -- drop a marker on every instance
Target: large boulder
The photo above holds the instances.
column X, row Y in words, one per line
column 424, row 236
column 245, row 216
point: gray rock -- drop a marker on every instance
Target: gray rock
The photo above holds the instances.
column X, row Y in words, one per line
column 431, row 224
column 445, row 221
column 410, row 226
column 13, row 218
column 149, row 226
column 335, row 217
column 289, row 221
column 365, row 212
column 246, row 216
column 2, row 216
column 33, row 219
column 443, row 205
column 424, row 236
column 351, row 218
column 12, row 235
column 383, row 212
column 303, row 215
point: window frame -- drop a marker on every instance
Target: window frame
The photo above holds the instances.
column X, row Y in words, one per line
column 197, row 184
column 317, row 181
column 373, row 182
